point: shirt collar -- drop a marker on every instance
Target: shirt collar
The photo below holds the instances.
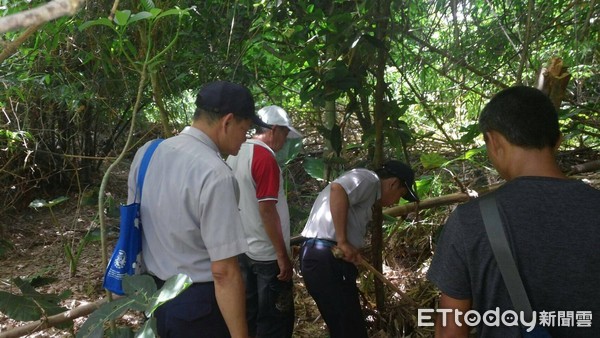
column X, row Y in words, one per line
column 260, row 143
column 200, row 136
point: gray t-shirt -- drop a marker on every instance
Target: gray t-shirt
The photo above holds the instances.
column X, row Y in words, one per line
column 363, row 188
column 553, row 228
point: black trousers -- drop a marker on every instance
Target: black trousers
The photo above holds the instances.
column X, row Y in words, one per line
column 194, row 313
column 332, row 284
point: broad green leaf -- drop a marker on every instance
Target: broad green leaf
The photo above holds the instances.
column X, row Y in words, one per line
column 172, row 11
column 315, row 167
column 57, row 201
column 40, row 203
column 94, row 325
column 473, row 152
column 101, row 21
column 121, row 17
column 291, row 148
column 433, row 160
column 139, row 16
column 148, row 4
column 31, row 305
column 155, row 11
column 148, row 330
column 173, row 286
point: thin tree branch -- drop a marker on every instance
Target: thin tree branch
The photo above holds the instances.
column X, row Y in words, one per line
column 39, row 15
column 11, row 48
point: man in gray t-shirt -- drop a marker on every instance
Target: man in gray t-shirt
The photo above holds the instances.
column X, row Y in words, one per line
column 552, row 225
column 339, row 218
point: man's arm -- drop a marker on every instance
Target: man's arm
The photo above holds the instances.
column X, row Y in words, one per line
column 272, row 223
column 446, row 325
column 339, row 204
column 231, row 295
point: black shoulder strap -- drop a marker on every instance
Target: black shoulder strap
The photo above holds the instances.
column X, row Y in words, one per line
column 503, row 254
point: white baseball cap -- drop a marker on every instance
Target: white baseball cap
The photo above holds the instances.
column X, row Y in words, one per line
column 275, row 115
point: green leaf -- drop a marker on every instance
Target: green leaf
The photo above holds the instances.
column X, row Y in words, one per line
column 121, row 17
column 31, row 305
column 94, row 325
column 173, row 286
column 149, row 329
column 291, row 148
column 473, row 152
column 148, row 5
column 139, row 16
column 433, row 160
column 40, row 203
column 57, row 201
column 101, row 21
column 173, row 11
column 315, row 167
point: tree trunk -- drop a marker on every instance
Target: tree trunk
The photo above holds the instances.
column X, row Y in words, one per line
column 382, row 17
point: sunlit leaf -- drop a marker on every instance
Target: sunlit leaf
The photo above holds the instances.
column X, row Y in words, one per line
column 432, row 160
column 139, row 16
column 121, row 17
column 101, row 21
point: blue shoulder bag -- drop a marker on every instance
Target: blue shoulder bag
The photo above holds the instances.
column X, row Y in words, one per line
column 507, row 265
column 127, row 255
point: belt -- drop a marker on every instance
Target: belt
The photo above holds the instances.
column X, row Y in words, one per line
column 159, row 282
column 320, row 242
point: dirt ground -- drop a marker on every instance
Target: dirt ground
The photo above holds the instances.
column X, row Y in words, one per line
column 38, row 238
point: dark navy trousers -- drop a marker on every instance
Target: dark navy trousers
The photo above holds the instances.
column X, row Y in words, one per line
column 332, row 284
column 194, row 313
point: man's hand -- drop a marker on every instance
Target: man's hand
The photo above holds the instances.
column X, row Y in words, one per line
column 285, row 268
column 347, row 252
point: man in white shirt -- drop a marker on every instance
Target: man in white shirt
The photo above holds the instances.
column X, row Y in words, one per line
column 339, row 218
column 266, row 267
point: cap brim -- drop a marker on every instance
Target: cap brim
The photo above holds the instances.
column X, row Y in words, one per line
column 412, row 194
column 257, row 121
column 293, row 133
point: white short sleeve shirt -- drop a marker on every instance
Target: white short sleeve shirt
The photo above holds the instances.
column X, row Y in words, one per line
column 363, row 188
column 260, row 179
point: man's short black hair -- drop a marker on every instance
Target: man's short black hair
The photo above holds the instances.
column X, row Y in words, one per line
column 524, row 115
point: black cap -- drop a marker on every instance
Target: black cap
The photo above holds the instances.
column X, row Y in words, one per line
column 405, row 174
column 222, row 97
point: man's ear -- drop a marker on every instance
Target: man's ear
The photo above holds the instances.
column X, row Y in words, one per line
column 493, row 141
column 225, row 120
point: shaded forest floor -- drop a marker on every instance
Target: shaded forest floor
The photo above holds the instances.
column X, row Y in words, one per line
column 38, row 238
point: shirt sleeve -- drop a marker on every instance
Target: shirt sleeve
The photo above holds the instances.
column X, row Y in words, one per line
column 265, row 172
column 360, row 186
column 449, row 269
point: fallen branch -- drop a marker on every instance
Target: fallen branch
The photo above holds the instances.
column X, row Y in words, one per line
column 52, row 321
column 585, row 167
column 39, row 15
column 458, row 197
column 403, row 210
